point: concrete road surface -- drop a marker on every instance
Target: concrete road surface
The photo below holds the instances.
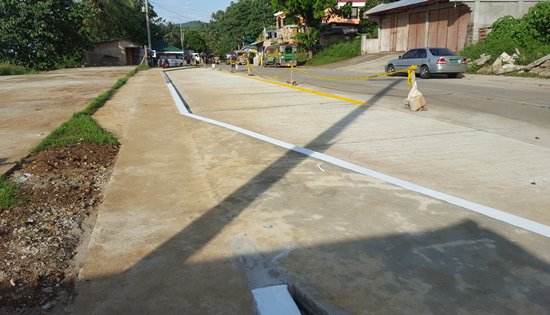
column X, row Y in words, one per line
column 197, row 215
column 490, row 159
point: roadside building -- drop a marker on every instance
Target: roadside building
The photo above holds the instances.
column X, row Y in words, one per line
column 337, row 26
column 407, row 24
column 119, row 52
column 283, row 32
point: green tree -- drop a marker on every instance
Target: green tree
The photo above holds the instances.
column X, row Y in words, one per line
column 309, row 39
column 240, row 22
column 347, row 10
column 536, row 22
column 367, row 25
column 311, row 12
column 194, row 41
column 113, row 19
column 40, row 34
column 171, row 33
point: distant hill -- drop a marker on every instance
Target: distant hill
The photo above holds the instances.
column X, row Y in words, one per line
column 193, row 25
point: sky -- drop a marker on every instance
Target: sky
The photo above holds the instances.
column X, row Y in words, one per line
column 179, row 11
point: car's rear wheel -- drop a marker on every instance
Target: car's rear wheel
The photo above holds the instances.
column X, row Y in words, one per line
column 390, row 68
column 424, row 72
column 452, row 75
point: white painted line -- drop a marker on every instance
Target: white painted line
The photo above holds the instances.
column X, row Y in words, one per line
column 500, row 215
column 179, row 102
column 275, row 300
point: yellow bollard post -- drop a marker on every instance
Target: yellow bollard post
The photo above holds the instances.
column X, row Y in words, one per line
column 248, row 67
column 291, row 82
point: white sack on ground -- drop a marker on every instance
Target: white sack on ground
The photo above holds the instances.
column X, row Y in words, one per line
column 415, row 99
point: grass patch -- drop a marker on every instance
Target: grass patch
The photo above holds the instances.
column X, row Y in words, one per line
column 82, row 127
column 8, row 193
column 335, row 52
column 9, row 69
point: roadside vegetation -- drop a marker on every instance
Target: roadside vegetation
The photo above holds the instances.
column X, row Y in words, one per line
column 54, row 34
column 85, row 22
column 530, row 35
column 82, row 127
column 334, row 52
column 8, row 193
column 9, row 69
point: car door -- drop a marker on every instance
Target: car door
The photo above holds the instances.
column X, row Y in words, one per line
column 418, row 58
column 406, row 60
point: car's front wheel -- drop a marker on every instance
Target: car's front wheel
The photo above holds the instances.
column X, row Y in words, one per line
column 424, row 72
column 390, row 69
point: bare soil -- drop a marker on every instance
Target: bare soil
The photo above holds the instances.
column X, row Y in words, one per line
column 40, row 235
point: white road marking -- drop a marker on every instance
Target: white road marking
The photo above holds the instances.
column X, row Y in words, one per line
column 275, row 300
column 500, row 215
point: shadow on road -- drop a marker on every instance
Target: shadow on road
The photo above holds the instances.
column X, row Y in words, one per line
column 423, row 272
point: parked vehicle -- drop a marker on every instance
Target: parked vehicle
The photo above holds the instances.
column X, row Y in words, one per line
column 271, row 56
column 280, row 55
column 429, row 61
column 175, row 62
column 170, row 60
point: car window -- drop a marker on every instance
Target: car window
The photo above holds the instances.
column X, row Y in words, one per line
column 288, row 49
column 441, row 52
column 409, row 54
column 421, row 53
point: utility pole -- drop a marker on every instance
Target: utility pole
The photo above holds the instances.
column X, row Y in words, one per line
column 147, row 19
column 181, row 39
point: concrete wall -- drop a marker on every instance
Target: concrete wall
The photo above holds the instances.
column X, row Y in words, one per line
column 369, row 45
column 111, row 53
column 394, row 28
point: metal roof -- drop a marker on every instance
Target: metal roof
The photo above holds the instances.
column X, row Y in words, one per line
column 396, row 5
column 162, row 46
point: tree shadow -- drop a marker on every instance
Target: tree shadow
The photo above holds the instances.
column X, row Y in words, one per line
column 459, row 269
column 202, row 230
column 3, row 160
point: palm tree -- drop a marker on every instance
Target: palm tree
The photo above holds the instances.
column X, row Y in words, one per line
column 172, row 33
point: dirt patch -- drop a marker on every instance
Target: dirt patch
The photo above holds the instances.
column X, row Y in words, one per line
column 60, row 189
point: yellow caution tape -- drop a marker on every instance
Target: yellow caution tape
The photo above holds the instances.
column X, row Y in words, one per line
column 268, row 76
column 349, row 79
column 410, row 71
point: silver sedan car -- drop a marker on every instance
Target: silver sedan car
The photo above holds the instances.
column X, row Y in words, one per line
column 428, row 61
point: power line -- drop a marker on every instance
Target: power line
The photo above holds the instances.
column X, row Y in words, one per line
column 187, row 17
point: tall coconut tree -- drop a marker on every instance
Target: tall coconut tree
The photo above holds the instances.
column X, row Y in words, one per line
column 172, row 33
